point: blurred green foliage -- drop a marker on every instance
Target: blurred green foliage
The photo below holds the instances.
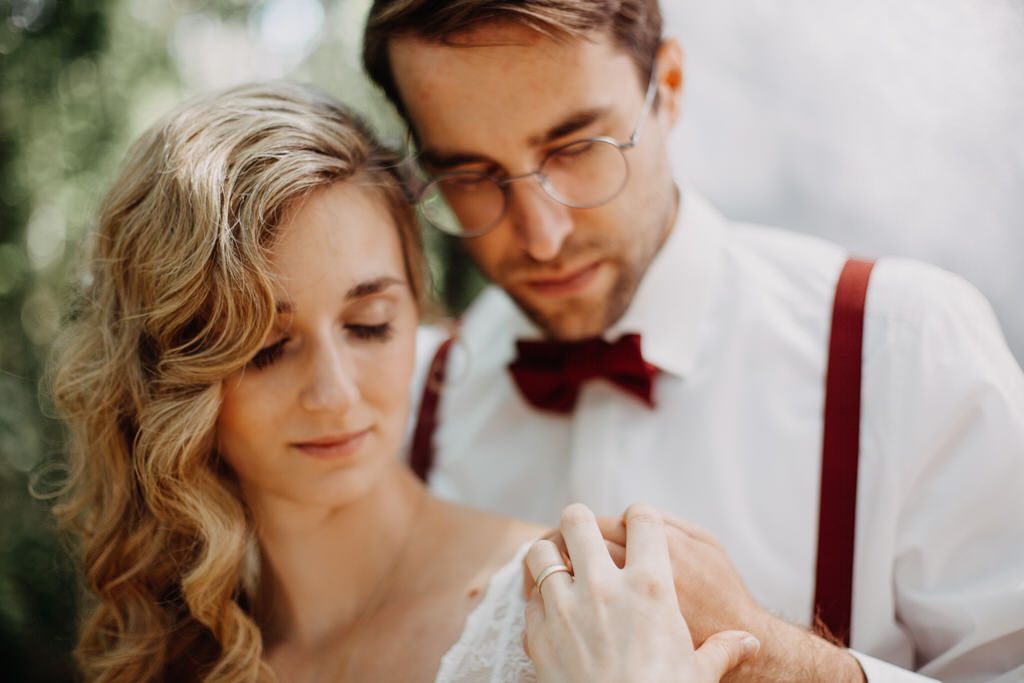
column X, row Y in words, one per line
column 57, row 122
column 78, row 80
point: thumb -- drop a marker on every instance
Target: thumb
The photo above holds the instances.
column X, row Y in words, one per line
column 723, row 652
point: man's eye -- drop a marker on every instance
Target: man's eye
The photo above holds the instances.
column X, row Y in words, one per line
column 267, row 355
column 465, row 183
column 381, row 332
column 578, row 149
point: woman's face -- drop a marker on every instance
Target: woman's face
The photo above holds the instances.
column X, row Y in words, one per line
column 321, row 409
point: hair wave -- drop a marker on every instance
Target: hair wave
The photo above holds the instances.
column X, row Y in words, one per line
column 177, row 297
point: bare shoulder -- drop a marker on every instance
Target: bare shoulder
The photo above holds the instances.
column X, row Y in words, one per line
column 488, row 541
column 459, row 551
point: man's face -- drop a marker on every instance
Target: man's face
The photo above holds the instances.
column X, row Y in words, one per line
column 497, row 101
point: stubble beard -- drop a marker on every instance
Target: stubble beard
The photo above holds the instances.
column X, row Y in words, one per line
column 578, row 318
column 582, row 317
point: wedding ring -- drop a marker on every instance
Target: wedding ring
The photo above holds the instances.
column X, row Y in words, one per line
column 553, row 569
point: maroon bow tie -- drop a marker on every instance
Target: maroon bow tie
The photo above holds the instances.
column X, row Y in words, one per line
column 549, row 373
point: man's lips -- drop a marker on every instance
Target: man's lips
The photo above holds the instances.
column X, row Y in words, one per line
column 332, row 446
column 564, row 282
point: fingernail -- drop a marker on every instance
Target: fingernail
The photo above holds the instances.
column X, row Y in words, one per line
column 747, row 641
column 735, row 635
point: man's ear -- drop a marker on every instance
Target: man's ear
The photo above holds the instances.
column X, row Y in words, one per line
column 669, row 62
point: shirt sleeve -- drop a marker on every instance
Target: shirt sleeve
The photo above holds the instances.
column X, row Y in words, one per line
column 956, row 401
column 877, row 671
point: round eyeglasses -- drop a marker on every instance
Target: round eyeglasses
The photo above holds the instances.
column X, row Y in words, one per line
column 581, row 174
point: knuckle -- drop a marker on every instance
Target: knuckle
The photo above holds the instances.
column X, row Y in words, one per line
column 598, row 589
column 553, row 535
column 649, row 584
column 539, row 552
column 644, row 514
column 576, row 514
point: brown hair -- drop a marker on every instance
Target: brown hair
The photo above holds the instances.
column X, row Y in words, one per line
column 179, row 295
column 634, row 25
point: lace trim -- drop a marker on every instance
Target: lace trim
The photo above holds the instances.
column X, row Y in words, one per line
column 490, row 647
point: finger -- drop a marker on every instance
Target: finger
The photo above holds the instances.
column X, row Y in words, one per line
column 555, row 588
column 613, row 529
column 689, row 528
column 617, row 552
column 646, row 546
column 723, row 652
column 555, row 536
column 586, row 546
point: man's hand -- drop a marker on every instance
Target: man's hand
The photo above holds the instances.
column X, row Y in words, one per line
column 712, row 598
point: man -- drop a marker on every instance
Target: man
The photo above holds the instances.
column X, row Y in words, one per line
column 543, row 126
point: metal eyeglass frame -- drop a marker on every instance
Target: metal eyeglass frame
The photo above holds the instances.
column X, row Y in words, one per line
column 542, row 180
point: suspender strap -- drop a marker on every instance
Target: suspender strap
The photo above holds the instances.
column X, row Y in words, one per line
column 421, row 458
column 841, row 447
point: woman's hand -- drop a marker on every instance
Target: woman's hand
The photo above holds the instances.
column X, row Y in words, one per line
column 605, row 624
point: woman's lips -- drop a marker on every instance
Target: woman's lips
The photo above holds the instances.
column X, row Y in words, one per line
column 331, row 447
column 565, row 285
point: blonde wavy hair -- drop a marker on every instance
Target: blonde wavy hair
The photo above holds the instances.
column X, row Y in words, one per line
column 177, row 297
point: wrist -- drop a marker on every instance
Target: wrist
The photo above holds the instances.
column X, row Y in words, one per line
column 789, row 652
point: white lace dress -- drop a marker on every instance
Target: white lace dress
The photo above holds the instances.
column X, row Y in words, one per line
column 490, row 648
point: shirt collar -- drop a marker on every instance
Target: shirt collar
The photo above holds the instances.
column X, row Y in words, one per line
column 675, row 294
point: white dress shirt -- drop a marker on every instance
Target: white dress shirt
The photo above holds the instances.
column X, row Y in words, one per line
column 737, row 318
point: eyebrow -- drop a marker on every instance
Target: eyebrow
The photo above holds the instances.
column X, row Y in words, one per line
column 574, row 122
column 359, row 291
column 371, row 287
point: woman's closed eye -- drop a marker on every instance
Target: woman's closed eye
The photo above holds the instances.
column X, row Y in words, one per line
column 372, row 319
column 268, row 354
column 381, row 332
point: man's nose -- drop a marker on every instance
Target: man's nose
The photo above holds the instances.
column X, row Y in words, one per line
column 541, row 223
column 332, row 384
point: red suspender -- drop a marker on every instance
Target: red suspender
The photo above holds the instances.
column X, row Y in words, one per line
column 421, row 457
column 833, row 591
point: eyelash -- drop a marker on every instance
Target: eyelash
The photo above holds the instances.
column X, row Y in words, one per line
column 268, row 355
column 381, row 333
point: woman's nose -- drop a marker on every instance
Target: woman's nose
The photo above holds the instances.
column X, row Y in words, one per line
column 332, row 384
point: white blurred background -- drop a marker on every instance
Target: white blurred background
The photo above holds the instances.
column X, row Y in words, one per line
column 888, row 127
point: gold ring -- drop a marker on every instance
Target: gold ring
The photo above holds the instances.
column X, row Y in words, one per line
column 553, row 569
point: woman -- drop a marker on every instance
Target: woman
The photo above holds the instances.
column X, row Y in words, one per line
column 235, row 380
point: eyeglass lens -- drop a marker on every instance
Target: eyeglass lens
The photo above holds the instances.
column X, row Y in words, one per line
column 582, row 174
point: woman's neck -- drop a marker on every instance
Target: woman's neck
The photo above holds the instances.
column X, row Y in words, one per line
column 325, row 570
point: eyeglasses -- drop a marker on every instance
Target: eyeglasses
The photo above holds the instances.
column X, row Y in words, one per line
column 581, row 174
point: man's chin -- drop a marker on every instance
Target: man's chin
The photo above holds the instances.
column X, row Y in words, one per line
column 569, row 315
column 568, row 320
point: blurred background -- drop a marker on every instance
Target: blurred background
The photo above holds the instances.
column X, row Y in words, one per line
column 892, row 128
